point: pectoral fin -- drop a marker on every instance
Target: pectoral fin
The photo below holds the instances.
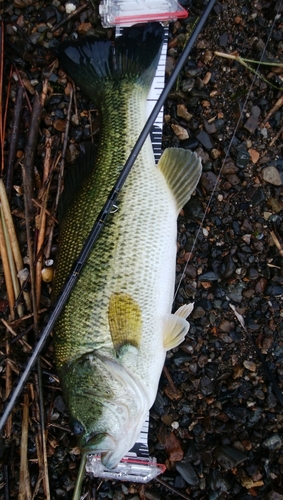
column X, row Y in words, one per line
column 182, row 170
column 175, row 330
column 125, row 320
column 184, row 311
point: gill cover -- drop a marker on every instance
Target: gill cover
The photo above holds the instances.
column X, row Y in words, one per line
column 109, row 414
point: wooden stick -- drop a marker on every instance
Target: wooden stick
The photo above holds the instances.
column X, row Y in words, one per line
column 61, row 172
column 277, row 242
column 30, row 155
column 24, row 483
column 273, row 110
column 42, row 222
column 276, row 137
column 70, row 16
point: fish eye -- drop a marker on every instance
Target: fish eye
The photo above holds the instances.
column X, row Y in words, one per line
column 77, row 428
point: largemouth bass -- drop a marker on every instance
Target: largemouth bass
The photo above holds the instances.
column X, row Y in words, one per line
column 112, row 337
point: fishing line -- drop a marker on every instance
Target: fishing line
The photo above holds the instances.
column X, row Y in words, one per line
column 264, row 364
column 227, row 153
column 99, row 223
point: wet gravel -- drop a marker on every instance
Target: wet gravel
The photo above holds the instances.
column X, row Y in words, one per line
column 217, row 422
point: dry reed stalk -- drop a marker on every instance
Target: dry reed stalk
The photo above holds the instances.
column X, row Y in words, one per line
column 24, row 483
column 13, row 237
column 7, row 273
column 15, row 281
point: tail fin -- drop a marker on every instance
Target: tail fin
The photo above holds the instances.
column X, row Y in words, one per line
column 97, row 64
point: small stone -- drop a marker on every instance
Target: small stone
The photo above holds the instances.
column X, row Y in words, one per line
column 271, row 175
column 180, row 132
column 70, row 7
column 254, row 155
column 243, row 159
column 247, row 238
column 228, row 457
column 188, row 473
column 183, row 112
column 258, row 197
column 273, row 443
column 229, row 167
column 255, row 111
column 188, row 85
column 250, row 365
column 251, row 124
column 208, row 181
column 274, row 204
column 209, row 276
column 205, row 140
column 59, row 125
column 210, row 127
column 261, row 285
column 207, row 386
column 215, row 153
column 83, row 28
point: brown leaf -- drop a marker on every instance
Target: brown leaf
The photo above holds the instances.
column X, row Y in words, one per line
column 173, row 448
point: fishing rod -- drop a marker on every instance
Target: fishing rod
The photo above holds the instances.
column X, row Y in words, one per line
column 100, row 221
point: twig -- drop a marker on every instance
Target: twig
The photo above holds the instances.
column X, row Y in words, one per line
column 273, row 110
column 174, row 490
column 277, row 243
column 61, row 172
column 70, row 16
column 40, row 205
column 15, row 128
column 244, row 62
column 24, row 483
column 30, row 155
column 42, row 221
column 276, row 137
column 174, row 392
column 43, row 433
column 22, row 85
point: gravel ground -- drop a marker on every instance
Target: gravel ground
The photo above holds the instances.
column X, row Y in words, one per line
column 217, row 422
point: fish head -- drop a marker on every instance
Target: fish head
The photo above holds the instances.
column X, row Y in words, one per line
column 108, row 406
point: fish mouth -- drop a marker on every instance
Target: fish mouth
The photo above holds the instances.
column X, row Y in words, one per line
column 105, row 445
column 97, row 443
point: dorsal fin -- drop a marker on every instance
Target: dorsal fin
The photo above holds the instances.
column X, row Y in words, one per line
column 182, row 170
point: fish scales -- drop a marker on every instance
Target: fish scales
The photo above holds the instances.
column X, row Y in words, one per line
column 112, row 337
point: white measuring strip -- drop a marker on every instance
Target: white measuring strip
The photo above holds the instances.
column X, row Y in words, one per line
column 146, row 470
